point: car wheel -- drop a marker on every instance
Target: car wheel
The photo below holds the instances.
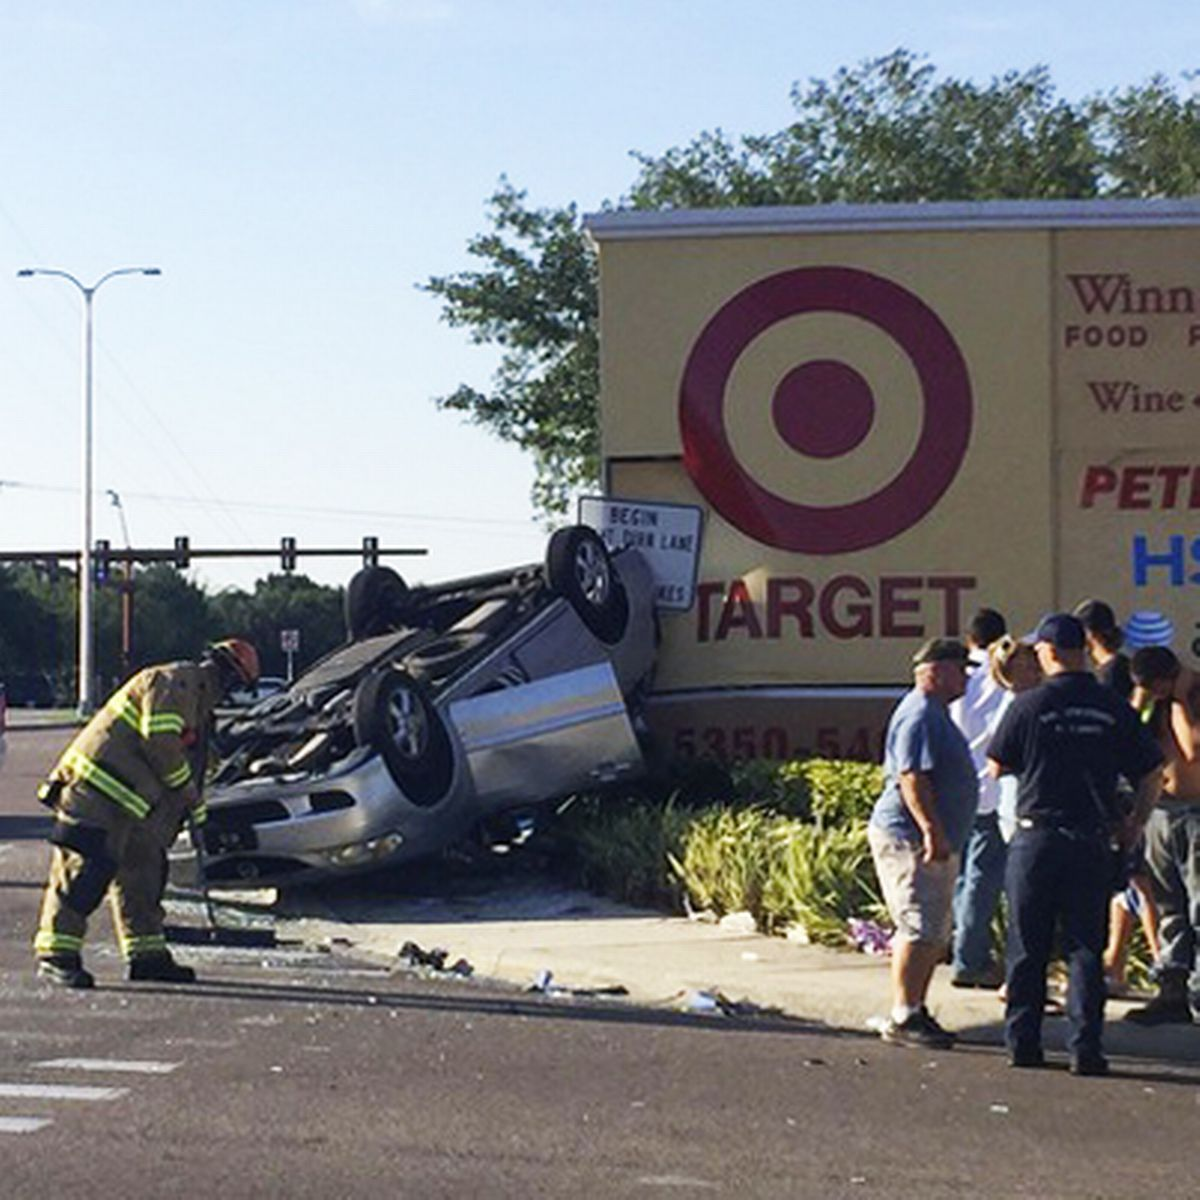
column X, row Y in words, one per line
column 579, row 568
column 376, row 598
column 393, row 715
column 447, row 653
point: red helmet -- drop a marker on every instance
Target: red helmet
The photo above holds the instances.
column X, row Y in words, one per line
column 241, row 656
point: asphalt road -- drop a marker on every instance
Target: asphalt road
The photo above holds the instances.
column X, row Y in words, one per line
column 302, row 1074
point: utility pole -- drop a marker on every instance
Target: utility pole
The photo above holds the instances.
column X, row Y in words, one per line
column 86, row 703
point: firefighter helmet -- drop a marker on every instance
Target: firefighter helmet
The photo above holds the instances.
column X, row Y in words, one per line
column 240, row 656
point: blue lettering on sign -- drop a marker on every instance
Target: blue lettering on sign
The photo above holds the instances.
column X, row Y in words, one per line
column 1173, row 560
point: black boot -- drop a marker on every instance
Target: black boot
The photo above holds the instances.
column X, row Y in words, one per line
column 159, row 968
column 65, row 970
column 1169, row 1007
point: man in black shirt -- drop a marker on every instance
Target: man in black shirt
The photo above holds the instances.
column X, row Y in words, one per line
column 1104, row 640
column 1067, row 740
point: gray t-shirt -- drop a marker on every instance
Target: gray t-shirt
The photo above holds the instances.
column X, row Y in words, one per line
column 922, row 737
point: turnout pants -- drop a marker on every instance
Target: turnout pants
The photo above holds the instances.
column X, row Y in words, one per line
column 97, row 849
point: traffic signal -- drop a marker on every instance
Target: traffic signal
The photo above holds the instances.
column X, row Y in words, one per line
column 100, row 564
column 182, row 556
column 287, row 553
column 370, row 552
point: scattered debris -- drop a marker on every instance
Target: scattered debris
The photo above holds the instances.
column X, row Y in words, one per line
column 1002, row 1109
column 697, row 1001
column 713, row 1002
column 738, row 922
column 417, row 956
column 434, row 960
column 220, row 935
column 869, row 936
column 544, row 984
column 799, row 934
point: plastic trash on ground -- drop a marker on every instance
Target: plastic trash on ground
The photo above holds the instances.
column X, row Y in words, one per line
column 869, row 936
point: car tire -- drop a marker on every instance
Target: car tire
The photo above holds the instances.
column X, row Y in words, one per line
column 438, row 658
column 393, row 715
column 580, row 569
column 376, row 599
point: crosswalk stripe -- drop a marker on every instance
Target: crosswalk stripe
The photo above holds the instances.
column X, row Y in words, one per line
column 140, row 1067
column 55, row 1091
column 23, row 1124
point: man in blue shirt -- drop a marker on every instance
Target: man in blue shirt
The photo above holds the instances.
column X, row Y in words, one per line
column 917, row 831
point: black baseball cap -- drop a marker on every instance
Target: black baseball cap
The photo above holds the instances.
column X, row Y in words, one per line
column 1061, row 630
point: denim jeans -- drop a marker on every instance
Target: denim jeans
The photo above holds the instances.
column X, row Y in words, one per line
column 1173, row 857
column 976, row 894
column 1055, row 876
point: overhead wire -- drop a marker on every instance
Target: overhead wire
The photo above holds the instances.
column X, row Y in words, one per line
column 495, row 525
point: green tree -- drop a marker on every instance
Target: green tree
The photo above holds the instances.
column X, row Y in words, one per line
column 281, row 602
column 537, row 300
column 37, row 626
column 888, row 130
column 173, row 618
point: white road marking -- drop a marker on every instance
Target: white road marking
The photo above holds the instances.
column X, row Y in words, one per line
column 35, row 1035
column 673, row 1181
column 23, row 1124
column 55, row 1091
column 140, row 1067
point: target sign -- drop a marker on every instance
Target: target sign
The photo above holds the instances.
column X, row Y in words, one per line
column 823, row 409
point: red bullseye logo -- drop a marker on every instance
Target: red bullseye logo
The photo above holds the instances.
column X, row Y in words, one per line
column 823, row 409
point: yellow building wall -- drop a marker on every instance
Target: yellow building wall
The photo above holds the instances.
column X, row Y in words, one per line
column 866, row 420
column 1127, row 396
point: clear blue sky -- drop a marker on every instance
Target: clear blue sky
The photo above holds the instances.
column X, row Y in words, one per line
column 296, row 167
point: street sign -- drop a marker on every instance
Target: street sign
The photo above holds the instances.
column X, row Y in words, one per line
column 289, row 643
column 667, row 534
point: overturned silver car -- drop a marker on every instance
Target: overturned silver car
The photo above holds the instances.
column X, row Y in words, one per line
column 451, row 704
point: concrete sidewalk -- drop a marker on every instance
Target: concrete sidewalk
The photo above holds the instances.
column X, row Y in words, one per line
column 518, row 931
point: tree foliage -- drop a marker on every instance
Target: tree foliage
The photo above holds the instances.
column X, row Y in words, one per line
column 536, row 300
column 173, row 618
column 888, row 130
column 277, row 603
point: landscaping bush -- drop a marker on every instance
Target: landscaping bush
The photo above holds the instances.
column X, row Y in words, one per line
column 786, row 843
column 623, row 848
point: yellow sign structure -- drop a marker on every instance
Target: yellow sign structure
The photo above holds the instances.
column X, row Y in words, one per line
column 892, row 415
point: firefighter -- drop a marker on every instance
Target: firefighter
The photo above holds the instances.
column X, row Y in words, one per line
column 120, row 794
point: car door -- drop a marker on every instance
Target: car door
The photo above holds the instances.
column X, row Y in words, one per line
column 547, row 737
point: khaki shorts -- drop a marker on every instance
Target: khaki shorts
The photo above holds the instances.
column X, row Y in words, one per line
column 919, row 895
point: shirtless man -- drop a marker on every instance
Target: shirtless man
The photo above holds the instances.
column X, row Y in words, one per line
column 1167, row 695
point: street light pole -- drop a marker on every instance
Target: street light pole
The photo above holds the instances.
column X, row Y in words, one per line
column 86, row 701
